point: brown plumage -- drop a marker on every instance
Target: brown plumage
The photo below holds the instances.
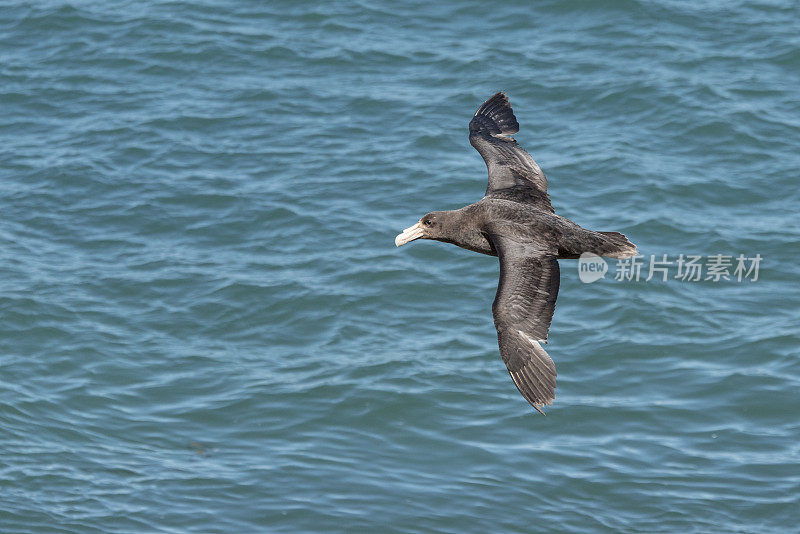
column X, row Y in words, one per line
column 516, row 222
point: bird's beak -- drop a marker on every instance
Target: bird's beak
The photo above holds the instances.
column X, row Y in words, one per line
column 409, row 234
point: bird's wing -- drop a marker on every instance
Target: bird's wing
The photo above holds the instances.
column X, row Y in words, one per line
column 509, row 164
column 522, row 309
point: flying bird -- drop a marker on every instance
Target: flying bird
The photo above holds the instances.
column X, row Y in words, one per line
column 516, row 222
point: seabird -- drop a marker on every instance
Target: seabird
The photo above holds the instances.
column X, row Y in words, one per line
column 515, row 222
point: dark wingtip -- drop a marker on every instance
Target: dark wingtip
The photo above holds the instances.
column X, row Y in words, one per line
column 495, row 116
column 499, row 99
column 539, row 409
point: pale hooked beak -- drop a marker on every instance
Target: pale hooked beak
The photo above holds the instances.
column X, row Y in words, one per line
column 409, row 234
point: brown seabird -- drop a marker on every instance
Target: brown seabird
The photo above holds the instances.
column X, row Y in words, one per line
column 515, row 222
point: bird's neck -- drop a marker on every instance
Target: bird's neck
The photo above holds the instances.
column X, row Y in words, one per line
column 465, row 229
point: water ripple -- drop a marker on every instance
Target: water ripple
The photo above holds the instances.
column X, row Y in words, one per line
column 206, row 326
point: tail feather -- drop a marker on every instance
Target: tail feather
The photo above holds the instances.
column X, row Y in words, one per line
column 616, row 245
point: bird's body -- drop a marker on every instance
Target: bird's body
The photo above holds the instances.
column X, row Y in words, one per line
column 520, row 221
column 516, row 222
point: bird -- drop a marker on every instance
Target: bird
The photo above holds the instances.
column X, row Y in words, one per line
column 516, row 222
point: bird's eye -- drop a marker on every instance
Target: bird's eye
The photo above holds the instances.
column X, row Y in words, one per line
column 428, row 222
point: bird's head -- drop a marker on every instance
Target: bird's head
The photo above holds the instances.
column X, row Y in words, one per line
column 431, row 226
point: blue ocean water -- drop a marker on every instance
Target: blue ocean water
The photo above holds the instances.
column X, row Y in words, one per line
column 205, row 325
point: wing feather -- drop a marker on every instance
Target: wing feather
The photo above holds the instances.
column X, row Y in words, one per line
column 509, row 165
column 522, row 309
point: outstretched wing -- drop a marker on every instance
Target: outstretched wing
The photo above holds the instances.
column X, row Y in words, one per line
column 509, row 164
column 522, row 309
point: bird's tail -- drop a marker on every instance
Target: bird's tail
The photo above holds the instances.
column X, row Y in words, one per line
column 616, row 245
